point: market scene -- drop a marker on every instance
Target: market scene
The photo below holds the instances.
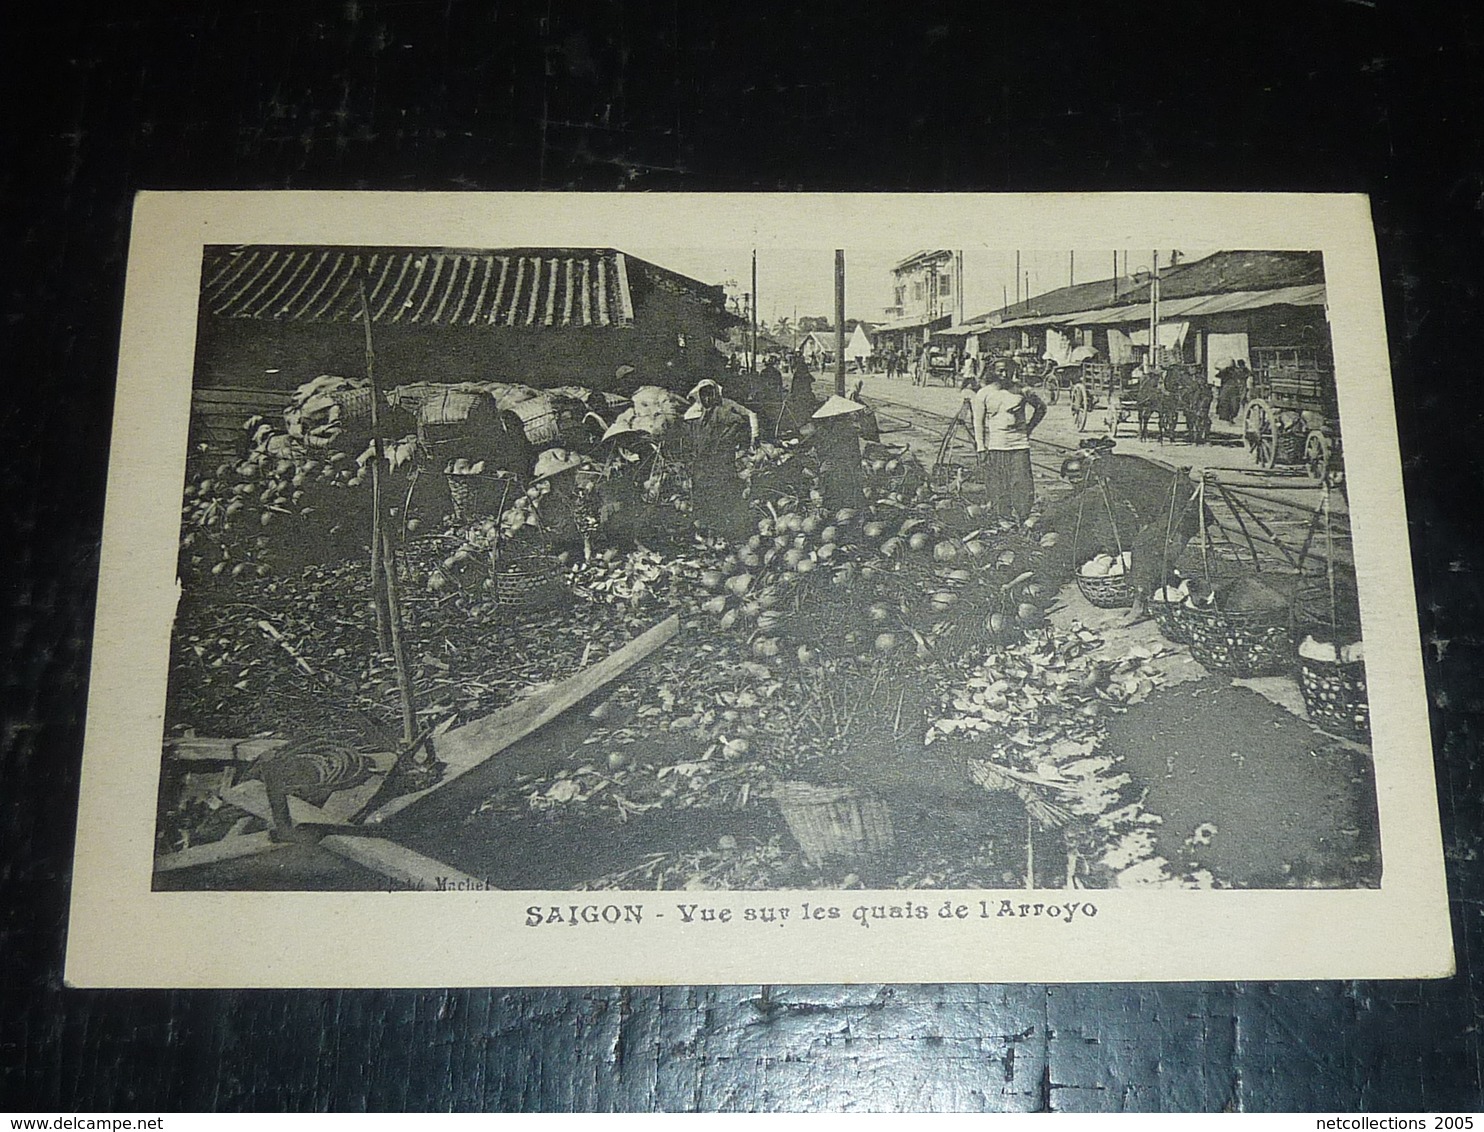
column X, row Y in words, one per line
column 560, row 569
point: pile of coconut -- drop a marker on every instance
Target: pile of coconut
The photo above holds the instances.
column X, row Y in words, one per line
column 1328, row 652
column 1107, row 566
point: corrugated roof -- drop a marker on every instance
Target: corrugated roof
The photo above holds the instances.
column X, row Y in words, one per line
column 1239, row 271
column 1310, row 295
column 517, row 287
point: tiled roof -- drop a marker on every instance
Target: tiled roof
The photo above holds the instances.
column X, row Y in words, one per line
column 518, row 287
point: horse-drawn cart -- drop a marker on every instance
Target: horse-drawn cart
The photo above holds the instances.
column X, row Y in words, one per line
column 1291, row 416
column 1100, row 385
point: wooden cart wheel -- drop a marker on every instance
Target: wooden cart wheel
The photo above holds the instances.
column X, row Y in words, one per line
column 1316, row 456
column 1260, row 431
column 1080, row 406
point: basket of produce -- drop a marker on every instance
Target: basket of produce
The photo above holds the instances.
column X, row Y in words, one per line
column 527, row 580
column 1332, row 679
column 475, row 493
column 1241, row 628
column 1104, row 581
column 1167, row 607
column 832, row 822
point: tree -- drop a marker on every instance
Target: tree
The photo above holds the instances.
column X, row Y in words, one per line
column 810, row 323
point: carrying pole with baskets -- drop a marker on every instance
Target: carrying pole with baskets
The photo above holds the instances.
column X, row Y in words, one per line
column 1334, row 691
column 1105, row 592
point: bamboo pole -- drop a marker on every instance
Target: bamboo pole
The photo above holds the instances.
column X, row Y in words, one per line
column 382, row 552
column 399, row 652
column 378, row 594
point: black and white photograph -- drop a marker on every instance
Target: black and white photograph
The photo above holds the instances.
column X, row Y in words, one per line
column 564, row 568
column 611, row 569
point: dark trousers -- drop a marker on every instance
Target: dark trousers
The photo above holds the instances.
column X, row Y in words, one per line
column 1008, row 478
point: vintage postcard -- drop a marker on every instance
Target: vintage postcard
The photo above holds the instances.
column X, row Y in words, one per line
column 531, row 589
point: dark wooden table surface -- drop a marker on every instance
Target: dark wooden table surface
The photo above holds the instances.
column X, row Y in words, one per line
column 1380, row 97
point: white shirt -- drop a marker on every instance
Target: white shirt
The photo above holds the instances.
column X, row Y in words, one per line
column 999, row 420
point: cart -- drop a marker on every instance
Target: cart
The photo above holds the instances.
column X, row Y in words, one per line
column 1292, row 412
column 1101, row 385
column 940, row 367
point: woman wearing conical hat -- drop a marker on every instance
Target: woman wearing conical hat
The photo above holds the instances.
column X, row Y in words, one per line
column 837, row 444
column 715, row 429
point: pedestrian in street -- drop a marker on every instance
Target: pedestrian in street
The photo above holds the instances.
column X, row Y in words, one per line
column 1004, row 417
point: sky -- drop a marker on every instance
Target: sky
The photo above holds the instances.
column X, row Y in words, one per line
column 803, row 282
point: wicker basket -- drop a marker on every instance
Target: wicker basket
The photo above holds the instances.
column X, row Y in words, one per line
column 1256, row 643
column 1335, row 694
column 475, row 497
column 1170, row 617
column 1288, row 446
column 527, row 582
column 1111, row 592
column 834, row 821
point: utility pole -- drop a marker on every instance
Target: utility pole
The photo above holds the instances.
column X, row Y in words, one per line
column 1115, row 276
column 840, row 321
column 1071, row 269
column 754, row 310
column 1154, row 312
column 1017, row 278
column 958, row 284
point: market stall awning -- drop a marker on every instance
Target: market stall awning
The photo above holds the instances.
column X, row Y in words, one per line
column 1309, row 295
column 911, row 322
column 527, row 287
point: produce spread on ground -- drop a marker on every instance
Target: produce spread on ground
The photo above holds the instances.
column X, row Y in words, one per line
column 907, row 693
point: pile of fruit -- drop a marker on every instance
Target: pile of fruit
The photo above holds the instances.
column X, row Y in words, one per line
column 852, row 582
column 1107, row 565
column 280, row 506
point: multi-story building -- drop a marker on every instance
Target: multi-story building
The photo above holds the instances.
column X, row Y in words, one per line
column 927, row 295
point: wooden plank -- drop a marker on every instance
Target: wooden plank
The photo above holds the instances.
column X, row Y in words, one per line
column 464, row 748
column 395, row 862
column 213, row 852
column 400, row 864
column 220, row 750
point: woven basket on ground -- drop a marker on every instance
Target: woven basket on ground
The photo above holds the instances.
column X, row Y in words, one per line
column 834, row 821
column 1335, row 694
column 476, row 497
column 1170, row 617
column 1110, row 592
column 527, row 581
column 1255, row 643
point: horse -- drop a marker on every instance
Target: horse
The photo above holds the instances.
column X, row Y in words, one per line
column 1186, row 392
column 1150, row 400
column 1168, row 393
